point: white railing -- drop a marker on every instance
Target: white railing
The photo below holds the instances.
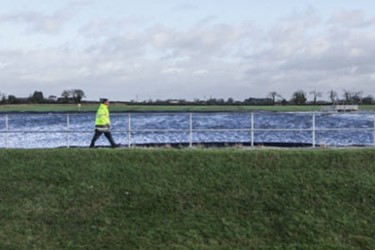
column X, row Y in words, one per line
column 6, row 131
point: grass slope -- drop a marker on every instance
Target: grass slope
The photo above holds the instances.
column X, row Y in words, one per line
column 120, row 107
column 187, row 199
column 149, row 108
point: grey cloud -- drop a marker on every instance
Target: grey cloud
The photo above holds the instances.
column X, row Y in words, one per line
column 204, row 42
column 351, row 19
column 187, row 7
column 36, row 21
column 303, row 54
column 99, row 28
column 197, row 43
column 334, row 54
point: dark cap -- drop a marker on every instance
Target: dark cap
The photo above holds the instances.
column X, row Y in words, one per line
column 103, row 100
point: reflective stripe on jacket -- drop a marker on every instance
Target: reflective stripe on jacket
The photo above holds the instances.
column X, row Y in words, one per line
column 102, row 116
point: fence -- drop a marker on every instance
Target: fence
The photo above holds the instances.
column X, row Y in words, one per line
column 192, row 129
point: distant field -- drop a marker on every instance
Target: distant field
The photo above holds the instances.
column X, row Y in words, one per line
column 146, row 108
column 187, row 199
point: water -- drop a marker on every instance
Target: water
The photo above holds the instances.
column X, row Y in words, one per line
column 60, row 130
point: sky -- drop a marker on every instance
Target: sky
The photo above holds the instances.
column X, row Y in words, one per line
column 186, row 49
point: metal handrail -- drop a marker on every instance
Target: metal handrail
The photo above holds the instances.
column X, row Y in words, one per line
column 6, row 131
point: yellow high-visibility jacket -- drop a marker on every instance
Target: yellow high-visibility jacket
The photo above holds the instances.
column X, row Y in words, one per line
column 102, row 116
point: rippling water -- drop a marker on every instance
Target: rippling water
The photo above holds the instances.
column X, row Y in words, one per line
column 60, row 130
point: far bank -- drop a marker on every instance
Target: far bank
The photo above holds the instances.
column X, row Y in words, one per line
column 122, row 107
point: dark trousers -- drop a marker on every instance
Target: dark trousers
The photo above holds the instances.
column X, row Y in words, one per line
column 107, row 134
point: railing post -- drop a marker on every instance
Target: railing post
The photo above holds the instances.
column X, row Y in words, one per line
column 190, row 129
column 252, row 129
column 68, row 129
column 6, row 130
column 129, row 130
column 313, row 130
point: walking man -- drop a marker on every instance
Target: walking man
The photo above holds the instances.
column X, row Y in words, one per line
column 103, row 124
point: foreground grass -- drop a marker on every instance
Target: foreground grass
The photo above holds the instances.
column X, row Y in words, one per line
column 187, row 199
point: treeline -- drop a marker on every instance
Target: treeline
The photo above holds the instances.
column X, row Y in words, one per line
column 299, row 97
column 67, row 96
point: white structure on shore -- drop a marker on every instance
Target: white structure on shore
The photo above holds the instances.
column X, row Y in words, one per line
column 340, row 108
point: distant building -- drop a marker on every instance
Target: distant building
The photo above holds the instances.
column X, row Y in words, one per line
column 175, row 101
column 52, row 98
column 340, row 108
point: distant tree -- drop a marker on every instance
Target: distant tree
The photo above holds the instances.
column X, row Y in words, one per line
column 347, row 96
column 215, row 101
column 299, row 97
column 356, row 97
column 159, row 101
column 230, row 101
column 332, row 96
column 3, row 98
column 77, row 94
column 368, row 100
column 315, row 95
column 66, row 94
column 37, row 97
column 352, row 97
column 258, row 101
column 211, row 101
column 12, row 99
column 273, row 96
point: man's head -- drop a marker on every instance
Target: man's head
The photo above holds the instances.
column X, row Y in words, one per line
column 105, row 101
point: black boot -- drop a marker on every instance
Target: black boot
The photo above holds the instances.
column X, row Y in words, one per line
column 111, row 141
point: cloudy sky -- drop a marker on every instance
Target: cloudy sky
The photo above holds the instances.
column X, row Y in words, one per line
column 161, row 49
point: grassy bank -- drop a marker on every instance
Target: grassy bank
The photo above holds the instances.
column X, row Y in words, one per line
column 154, row 108
column 187, row 199
column 148, row 108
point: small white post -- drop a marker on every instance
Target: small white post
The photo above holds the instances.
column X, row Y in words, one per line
column 313, row 130
column 191, row 130
column 6, row 130
column 252, row 129
column 68, row 129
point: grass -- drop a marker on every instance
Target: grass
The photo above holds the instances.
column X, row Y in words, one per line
column 145, row 108
column 187, row 199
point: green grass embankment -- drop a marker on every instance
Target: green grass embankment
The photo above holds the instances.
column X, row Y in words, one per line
column 187, row 199
column 120, row 107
